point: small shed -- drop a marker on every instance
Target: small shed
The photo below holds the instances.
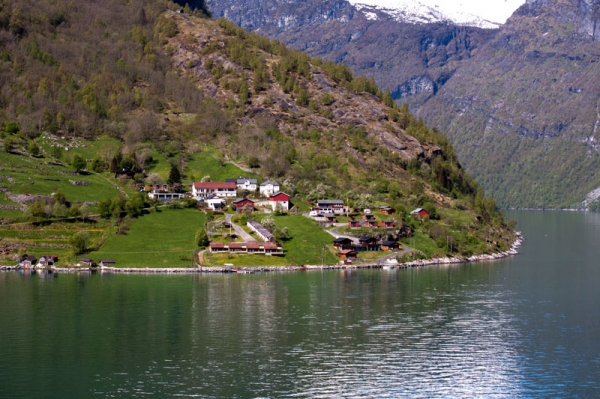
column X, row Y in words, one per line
column 387, row 210
column 107, row 262
column 387, row 223
column 354, row 223
column 390, row 245
column 421, row 213
column 347, row 254
column 28, row 261
column 87, row 262
column 46, row 260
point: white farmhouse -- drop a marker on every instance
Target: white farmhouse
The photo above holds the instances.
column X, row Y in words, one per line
column 269, row 188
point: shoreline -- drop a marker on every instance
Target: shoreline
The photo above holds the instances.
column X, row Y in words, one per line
column 255, row 269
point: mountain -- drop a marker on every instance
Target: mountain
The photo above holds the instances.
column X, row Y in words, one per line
column 523, row 112
column 139, row 88
column 519, row 102
column 489, row 14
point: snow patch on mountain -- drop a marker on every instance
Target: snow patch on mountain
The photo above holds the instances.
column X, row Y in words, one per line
column 484, row 14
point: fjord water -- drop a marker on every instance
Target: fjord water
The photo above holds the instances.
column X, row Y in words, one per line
column 526, row 326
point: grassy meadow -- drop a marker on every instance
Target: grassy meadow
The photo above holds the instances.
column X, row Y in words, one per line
column 158, row 239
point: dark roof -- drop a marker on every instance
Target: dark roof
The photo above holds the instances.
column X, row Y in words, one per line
column 389, row 243
column 366, row 239
column 342, row 239
column 271, row 182
column 330, row 202
column 108, row 261
column 240, row 200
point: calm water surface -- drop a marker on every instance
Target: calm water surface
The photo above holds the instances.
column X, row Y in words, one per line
column 527, row 326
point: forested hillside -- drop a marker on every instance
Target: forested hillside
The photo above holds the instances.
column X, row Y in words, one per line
column 171, row 86
column 519, row 103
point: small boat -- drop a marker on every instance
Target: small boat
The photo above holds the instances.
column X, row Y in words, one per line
column 388, row 267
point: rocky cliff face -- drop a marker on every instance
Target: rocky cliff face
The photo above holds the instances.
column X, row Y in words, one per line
column 520, row 103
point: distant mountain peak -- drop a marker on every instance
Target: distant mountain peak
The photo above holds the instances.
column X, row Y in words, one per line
column 489, row 14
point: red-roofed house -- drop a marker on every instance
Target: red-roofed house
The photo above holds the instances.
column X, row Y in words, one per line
column 236, row 247
column 217, row 247
column 207, row 189
column 280, row 198
column 253, row 247
column 244, row 202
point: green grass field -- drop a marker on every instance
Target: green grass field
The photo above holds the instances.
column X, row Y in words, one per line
column 206, row 163
column 24, row 175
column 243, row 260
column 307, row 241
column 158, row 239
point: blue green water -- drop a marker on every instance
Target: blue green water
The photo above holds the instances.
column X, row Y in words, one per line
column 526, row 326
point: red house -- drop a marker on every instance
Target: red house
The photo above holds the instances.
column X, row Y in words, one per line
column 371, row 223
column 354, row 223
column 280, row 198
column 244, row 202
column 421, row 213
column 387, row 223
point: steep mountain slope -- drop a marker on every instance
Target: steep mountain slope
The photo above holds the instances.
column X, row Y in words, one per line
column 412, row 60
column 520, row 102
column 524, row 112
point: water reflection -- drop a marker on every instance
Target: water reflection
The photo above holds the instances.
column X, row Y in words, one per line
column 521, row 327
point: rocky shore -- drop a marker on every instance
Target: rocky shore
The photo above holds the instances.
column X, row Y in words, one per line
column 247, row 270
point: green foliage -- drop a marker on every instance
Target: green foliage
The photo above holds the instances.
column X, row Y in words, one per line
column 174, row 176
column 78, row 242
column 33, row 149
column 11, row 127
column 201, row 238
column 78, row 163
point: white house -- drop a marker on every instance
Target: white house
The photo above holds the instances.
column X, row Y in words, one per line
column 215, row 203
column 208, row 189
column 269, row 188
column 331, row 206
column 244, row 183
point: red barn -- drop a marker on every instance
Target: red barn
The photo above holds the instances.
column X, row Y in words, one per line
column 421, row 213
column 244, row 202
